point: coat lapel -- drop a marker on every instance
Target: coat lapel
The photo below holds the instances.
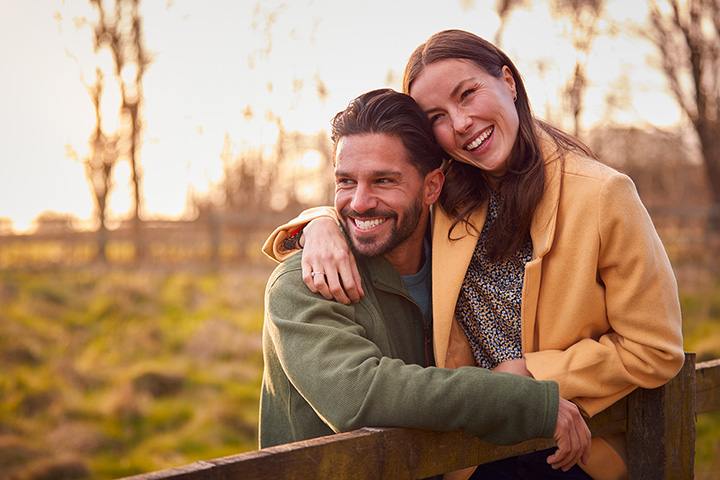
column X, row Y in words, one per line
column 450, row 260
column 542, row 232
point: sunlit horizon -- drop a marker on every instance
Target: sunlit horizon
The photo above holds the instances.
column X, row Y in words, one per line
column 224, row 68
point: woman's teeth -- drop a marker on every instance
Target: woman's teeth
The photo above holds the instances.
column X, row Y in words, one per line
column 479, row 141
column 368, row 224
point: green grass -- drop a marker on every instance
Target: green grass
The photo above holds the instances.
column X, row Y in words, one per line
column 125, row 372
column 115, row 372
column 700, row 303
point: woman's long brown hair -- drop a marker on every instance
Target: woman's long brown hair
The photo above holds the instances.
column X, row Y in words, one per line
column 466, row 187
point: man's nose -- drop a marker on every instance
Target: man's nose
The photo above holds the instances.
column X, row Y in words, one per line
column 363, row 199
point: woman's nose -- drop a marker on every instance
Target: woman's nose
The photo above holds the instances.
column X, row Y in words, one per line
column 461, row 120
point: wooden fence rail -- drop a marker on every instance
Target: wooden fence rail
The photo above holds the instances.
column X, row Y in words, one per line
column 660, row 424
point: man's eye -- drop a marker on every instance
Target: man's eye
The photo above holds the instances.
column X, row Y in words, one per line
column 343, row 181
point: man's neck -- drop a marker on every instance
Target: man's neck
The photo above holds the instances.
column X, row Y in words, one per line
column 408, row 257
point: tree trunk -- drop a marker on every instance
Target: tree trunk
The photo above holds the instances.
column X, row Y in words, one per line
column 710, row 145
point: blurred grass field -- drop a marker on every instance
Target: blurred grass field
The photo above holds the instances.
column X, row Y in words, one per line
column 114, row 371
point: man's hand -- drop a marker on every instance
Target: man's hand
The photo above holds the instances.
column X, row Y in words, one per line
column 327, row 254
column 572, row 436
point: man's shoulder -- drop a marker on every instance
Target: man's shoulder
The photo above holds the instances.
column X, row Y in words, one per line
column 290, row 267
column 290, row 270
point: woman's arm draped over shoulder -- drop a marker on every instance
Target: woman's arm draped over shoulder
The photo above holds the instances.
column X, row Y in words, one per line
column 273, row 246
column 325, row 253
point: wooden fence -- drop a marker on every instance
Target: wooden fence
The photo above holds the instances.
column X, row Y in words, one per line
column 218, row 240
column 222, row 238
column 660, row 425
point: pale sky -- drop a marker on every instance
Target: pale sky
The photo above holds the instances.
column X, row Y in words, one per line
column 209, row 67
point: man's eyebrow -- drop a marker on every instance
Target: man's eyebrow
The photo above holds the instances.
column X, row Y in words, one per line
column 386, row 173
column 374, row 173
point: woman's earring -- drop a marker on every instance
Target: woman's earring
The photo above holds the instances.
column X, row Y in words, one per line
column 515, row 98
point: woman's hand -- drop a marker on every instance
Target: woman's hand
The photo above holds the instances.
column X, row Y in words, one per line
column 328, row 265
column 572, row 436
column 516, row 366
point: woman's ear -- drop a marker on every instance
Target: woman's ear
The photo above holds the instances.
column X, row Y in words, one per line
column 509, row 79
column 433, row 186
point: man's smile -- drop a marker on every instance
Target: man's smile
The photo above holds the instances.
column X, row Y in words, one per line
column 368, row 224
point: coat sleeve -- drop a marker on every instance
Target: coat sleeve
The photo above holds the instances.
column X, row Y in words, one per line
column 329, row 360
column 273, row 246
column 643, row 346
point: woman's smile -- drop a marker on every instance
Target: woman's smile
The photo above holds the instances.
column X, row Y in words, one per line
column 480, row 140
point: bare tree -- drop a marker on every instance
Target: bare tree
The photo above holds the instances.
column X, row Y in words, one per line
column 687, row 37
column 119, row 30
column 583, row 17
column 248, row 180
column 99, row 164
column 504, row 8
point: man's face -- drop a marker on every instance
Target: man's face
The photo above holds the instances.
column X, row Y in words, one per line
column 377, row 193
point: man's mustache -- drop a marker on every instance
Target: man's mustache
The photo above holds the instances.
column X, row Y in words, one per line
column 374, row 213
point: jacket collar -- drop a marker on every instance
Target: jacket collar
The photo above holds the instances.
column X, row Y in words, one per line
column 382, row 273
column 542, row 226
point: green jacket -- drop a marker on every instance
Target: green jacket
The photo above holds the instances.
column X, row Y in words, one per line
column 332, row 368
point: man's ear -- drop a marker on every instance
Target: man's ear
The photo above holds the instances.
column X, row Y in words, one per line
column 432, row 186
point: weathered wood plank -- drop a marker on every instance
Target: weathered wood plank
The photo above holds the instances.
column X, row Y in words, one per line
column 371, row 453
column 661, row 428
column 611, row 420
column 354, row 454
column 707, row 386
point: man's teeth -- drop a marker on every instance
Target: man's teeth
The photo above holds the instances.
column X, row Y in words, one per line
column 478, row 141
column 367, row 224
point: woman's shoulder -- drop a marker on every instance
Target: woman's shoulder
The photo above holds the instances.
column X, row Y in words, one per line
column 584, row 166
column 562, row 159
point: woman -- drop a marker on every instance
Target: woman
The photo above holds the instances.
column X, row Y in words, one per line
column 545, row 262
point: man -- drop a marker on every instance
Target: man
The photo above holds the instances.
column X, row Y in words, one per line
column 331, row 367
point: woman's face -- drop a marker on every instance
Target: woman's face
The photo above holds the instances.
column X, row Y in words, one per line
column 473, row 113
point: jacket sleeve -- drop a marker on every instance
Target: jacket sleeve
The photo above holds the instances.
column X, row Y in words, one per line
column 643, row 346
column 273, row 246
column 329, row 360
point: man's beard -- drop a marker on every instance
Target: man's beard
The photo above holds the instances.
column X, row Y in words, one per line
column 371, row 246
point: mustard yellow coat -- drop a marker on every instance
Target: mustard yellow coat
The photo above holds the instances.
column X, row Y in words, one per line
column 600, row 312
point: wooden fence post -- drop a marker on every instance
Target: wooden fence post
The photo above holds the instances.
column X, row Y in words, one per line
column 661, row 428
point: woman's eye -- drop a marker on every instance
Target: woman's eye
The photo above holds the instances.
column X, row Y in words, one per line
column 467, row 93
column 435, row 118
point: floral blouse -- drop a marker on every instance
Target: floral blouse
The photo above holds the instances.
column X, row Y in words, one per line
column 488, row 306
